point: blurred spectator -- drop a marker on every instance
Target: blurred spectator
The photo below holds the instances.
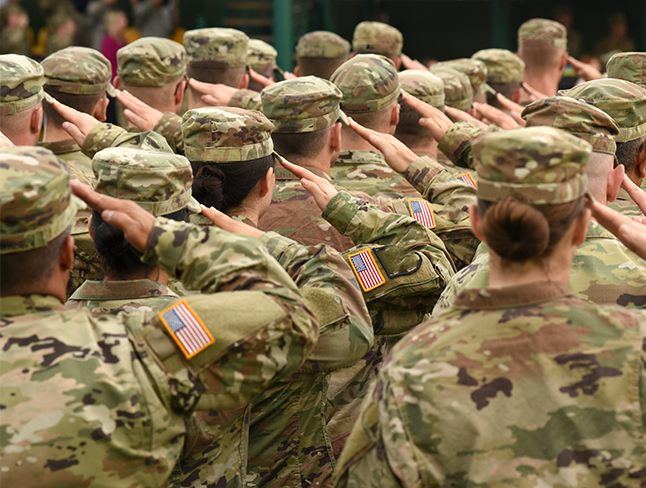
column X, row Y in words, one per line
column 15, row 25
column 62, row 34
column 617, row 39
column 154, row 18
column 96, row 12
column 563, row 14
column 116, row 23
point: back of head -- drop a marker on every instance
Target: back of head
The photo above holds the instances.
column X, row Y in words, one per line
column 261, row 57
column 531, row 187
column 541, row 44
column 458, row 91
column 426, row 87
column 320, row 53
column 377, row 38
column 504, row 72
column 475, row 69
column 151, row 62
column 628, row 66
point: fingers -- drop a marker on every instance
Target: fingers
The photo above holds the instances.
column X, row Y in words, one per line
column 636, row 193
column 68, row 113
column 299, row 171
column 135, row 120
column 461, row 115
column 75, row 133
column 533, row 92
column 495, row 115
column 260, row 79
column 574, row 62
column 416, row 104
column 210, row 100
column 199, row 86
column 289, row 76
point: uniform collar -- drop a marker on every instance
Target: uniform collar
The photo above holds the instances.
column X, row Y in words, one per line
column 357, row 156
column 121, row 290
column 61, row 147
column 15, row 305
column 511, row 297
column 596, row 231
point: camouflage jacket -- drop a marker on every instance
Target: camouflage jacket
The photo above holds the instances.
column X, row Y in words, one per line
column 456, row 143
column 625, row 205
column 108, row 396
column 603, row 271
column 565, row 409
column 70, row 152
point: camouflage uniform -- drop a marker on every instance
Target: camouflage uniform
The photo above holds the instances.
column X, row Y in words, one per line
column 452, row 407
column 377, row 38
column 108, row 396
column 261, row 57
column 476, row 71
column 151, row 61
column 503, row 66
column 22, row 84
column 458, row 91
column 321, row 45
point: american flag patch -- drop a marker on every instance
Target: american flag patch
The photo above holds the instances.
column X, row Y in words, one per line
column 365, row 268
column 189, row 332
column 467, row 179
column 421, row 211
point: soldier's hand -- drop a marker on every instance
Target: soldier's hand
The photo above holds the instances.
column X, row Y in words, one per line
column 224, row 222
column 496, row 116
column 433, row 118
column 395, row 152
column 514, row 109
column 134, row 221
column 630, row 232
column 637, row 194
column 78, row 124
column 217, row 95
column 321, row 189
column 584, row 70
column 138, row 113
column 461, row 115
column 5, row 141
column 289, row 76
column 260, row 79
column 409, row 63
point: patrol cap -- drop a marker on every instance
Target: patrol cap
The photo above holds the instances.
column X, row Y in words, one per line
column 536, row 165
column 542, row 32
column 304, row 104
column 423, row 85
column 624, row 101
column 21, row 84
column 369, row 82
column 226, row 135
column 322, row 44
column 151, row 61
column 261, row 56
column 475, row 69
column 576, row 117
column 224, row 48
column 503, row 66
column 159, row 182
column 78, row 71
column 377, row 38
column 628, row 66
column 36, row 202
column 457, row 87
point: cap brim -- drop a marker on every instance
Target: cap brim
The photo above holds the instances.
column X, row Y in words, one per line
column 193, row 205
column 343, row 118
column 110, row 90
column 47, row 97
column 487, row 89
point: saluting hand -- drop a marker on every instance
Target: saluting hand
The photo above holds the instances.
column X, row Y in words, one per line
column 224, row 222
column 321, row 189
column 514, row 109
column 496, row 116
column 217, row 95
column 78, row 124
column 138, row 113
column 433, row 118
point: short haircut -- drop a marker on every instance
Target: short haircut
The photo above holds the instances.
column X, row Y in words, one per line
column 506, row 89
column 372, row 120
column 153, row 95
column 300, row 145
column 207, row 72
column 18, row 122
column 409, row 131
column 321, row 67
column 540, row 58
column 82, row 103
column 24, row 272
column 628, row 153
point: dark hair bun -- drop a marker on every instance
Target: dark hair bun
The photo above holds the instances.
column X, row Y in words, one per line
column 208, row 186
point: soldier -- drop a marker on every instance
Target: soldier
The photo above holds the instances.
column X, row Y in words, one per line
column 451, row 404
column 320, row 53
column 504, row 74
column 216, row 55
column 108, row 397
column 15, row 23
column 625, row 102
column 378, row 38
column 458, row 92
column 261, row 57
column 476, row 70
column 62, row 32
column 21, row 110
column 542, row 45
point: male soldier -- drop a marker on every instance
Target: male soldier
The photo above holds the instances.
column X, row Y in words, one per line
column 153, row 70
column 504, row 74
column 320, row 53
column 476, row 70
column 261, row 57
column 542, row 45
column 216, row 55
column 458, row 92
column 21, row 110
column 14, row 22
column 625, row 102
column 378, row 38
column 109, row 397
column 603, row 270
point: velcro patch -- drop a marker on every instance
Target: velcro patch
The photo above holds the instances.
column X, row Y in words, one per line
column 186, row 328
column 421, row 211
column 467, row 179
column 364, row 266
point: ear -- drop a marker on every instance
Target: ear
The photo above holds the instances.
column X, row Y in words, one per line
column 640, row 167
column 101, row 109
column 394, row 118
column 476, row 223
column 334, row 138
column 398, row 62
column 89, row 227
column 66, row 257
column 36, row 120
column 581, row 228
column 563, row 62
column 116, row 82
column 244, row 81
column 615, row 177
column 179, row 93
column 265, row 183
column 297, row 71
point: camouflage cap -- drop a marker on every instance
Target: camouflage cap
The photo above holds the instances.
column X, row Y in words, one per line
column 21, row 84
column 322, row 44
column 628, row 66
column 624, row 101
column 503, row 66
column 377, row 38
column 225, row 48
column 576, row 117
column 369, row 82
column 226, row 135
column 151, row 61
column 457, row 88
column 78, row 71
column 422, row 85
column 536, row 165
column 159, row 182
column 305, row 104
column 36, row 204
column 537, row 32
column 475, row 69
column 261, row 56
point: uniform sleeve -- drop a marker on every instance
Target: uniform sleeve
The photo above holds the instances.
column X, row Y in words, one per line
column 247, row 99
column 101, row 136
column 456, row 143
column 332, row 293
column 259, row 326
column 169, row 126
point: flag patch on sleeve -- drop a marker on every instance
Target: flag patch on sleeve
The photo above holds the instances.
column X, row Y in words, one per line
column 364, row 266
column 186, row 328
column 421, row 211
column 467, row 179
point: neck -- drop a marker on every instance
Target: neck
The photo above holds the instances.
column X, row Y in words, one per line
column 547, row 84
column 53, row 133
column 424, row 147
column 321, row 161
column 351, row 141
column 25, row 138
column 248, row 213
column 555, row 268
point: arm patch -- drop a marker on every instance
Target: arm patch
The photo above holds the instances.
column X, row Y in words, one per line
column 186, row 328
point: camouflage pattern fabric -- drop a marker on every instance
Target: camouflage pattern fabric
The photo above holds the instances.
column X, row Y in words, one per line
column 624, row 101
column 423, row 85
column 216, row 45
column 457, row 143
column 377, row 38
column 628, row 66
column 458, row 91
column 151, row 61
column 247, row 99
column 70, row 152
column 78, row 71
column 503, row 66
column 21, row 84
column 625, row 205
column 322, row 44
column 475, row 69
column 369, row 82
column 261, row 56
column 542, row 32
column 429, row 418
